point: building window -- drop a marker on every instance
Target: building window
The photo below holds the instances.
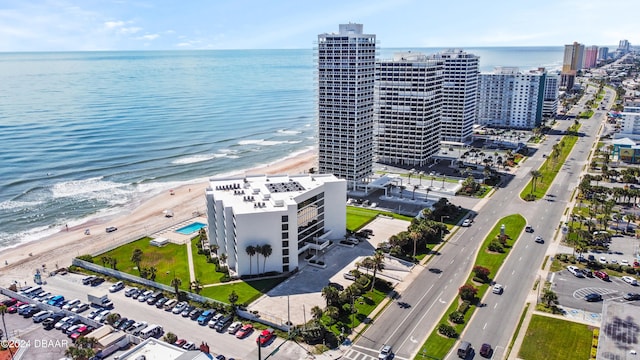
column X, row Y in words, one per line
column 285, row 252
column 285, row 227
column 285, row 244
column 285, row 218
column 285, row 268
column 285, row 235
column 285, row 260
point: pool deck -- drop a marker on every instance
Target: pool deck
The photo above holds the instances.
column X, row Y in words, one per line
column 175, row 237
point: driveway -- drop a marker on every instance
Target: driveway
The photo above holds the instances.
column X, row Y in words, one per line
column 294, row 298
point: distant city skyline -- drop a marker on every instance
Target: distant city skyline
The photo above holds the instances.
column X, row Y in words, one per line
column 74, row 25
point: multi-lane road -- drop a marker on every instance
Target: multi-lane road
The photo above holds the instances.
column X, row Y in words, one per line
column 430, row 293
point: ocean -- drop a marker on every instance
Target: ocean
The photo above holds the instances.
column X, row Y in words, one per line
column 83, row 134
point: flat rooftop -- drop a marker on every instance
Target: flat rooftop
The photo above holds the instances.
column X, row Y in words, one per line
column 620, row 330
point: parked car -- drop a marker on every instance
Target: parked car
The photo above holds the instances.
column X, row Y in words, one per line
column 9, row 302
column 602, row 260
column 189, row 346
column 180, row 342
column 265, row 336
column 15, row 307
column 87, row 280
column 587, row 273
column 136, row 327
column 214, row 320
column 145, row 296
column 187, row 310
column 195, row 314
column 131, row 291
column 178, row 308
column 70, row 304
column 102, row 316
column 126, row 324
column 223, row 322
column 116, row 287
column 244, row 331
column 630, row 280
column 575, row 271
column 97, row 281
column 62, row 321
column 81, row 331
column 631, row 296
column 601, row 275
column 593, row 297
column 168, row 306
column 336, row 286
column 94, row 313
column 349, row 276
column 204, row 318
column 80, row 308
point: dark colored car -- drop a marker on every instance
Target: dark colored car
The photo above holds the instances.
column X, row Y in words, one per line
column 126, row 324
column 29, row 313
column 593, row 297
column 195, row 313
column 336, row 285
column 187, row 311
column 88, row 279
column 111, row 229
column 97, row 281
column 631, row 296
column 485, row 350
column 160, row 302
column 587, row 273
column 9, row 302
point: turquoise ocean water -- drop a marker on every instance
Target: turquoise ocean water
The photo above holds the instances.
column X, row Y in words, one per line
column 83, row 134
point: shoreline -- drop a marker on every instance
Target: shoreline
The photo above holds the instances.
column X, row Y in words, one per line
column 142, row 216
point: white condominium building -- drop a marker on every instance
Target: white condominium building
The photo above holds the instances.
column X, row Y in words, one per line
column 550, row 97
column 289, row 214
column 408, row 100
column 345, row 78
column 459, row 92
column 510, row 99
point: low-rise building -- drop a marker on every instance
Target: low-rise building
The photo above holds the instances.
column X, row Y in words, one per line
column 287, row 214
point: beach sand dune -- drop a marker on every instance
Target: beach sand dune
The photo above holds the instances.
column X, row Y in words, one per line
column 20, row 263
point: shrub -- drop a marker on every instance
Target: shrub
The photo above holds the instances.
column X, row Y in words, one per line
column 225, row 278
column 467, row 292
column 87, row 258
column 464, row 307
column 495, row 246
column 629, row 270
column 447, row 330
column 456, row 317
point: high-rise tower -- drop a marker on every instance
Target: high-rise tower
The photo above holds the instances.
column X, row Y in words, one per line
column 459, row 93
column 571, row 63
column 345, row 78
column 408, row 101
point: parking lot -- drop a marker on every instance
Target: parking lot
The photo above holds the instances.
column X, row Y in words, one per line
column 71, row 287
column 39, row 343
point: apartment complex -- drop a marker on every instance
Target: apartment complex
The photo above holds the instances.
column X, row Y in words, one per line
column 408, row 98
column 603, row 53
column 590, row 57
column 571, row 63
column 551, row 93
column 510, row 99
column 459, row 92
column 345, row 79
column 289, row 214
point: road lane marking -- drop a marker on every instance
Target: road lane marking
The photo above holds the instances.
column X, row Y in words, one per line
column 419, row 323
column 485, row 326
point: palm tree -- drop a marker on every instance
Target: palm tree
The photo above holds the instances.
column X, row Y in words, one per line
column 251, row 251
column 330, row 294
column 378, row 264
column 196, row 286
column 413, row 194
column 630, row 218
column 170, row 338
column 535, row 174
column 3, row 310
column 233, row 299
column 265, row 251
column 549, row 297
column 136, row 258
column 176, row 282
column 332, row 312
column 316, row 312
column 415, row 236
column 152, row 273
column 223, row 257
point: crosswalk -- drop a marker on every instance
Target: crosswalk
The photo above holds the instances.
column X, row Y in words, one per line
column 361, row 353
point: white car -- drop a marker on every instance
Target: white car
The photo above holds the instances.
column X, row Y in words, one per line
column 466, row 222
column 116, row 287
column 385, row 352
column 178, row 308
column 603, row 260
column 630, row 280
column 575, row 271
column 234, row 327
column 497, row 289
column 80, row 308
column 71, row 304
column 624, row 262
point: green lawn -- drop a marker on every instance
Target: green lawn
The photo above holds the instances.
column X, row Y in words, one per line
column 437, row 346
column 358, row 217
column 169, row 260
column 549, row 338
column 205, row 272
column 550, row 168
column 364, row 304
column 247, row 291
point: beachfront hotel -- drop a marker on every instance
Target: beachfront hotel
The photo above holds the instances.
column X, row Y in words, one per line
column 571, row 64
column 408, row 100
column 291, row 214
column 345, row 80
column 459, row 95
column 508, row 98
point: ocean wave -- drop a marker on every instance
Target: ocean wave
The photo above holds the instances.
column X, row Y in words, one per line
column 289, row 132
column 95, row 189
column 12, row 204
column 198, row 158
column 264, row 142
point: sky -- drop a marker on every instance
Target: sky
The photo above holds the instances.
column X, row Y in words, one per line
column 94, row 25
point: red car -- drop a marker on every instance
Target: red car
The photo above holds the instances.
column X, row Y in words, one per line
column 601, row 275
column 14, row 308
column 265, row 336
column 81, row 331
column 245, row 330
column 180, row 342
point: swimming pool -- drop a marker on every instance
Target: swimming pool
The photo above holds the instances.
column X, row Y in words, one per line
column 191, row 228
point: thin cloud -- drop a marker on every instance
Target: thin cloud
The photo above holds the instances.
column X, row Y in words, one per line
column 148, row 37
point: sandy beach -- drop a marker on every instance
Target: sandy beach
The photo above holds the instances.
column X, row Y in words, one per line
column 57, row 250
